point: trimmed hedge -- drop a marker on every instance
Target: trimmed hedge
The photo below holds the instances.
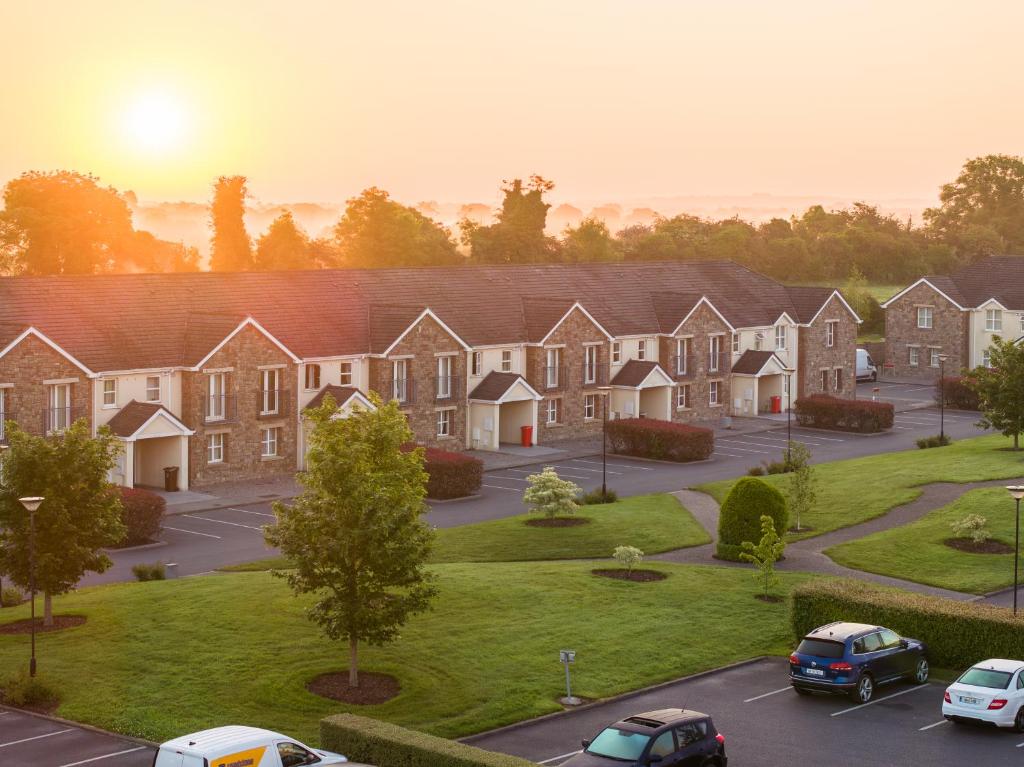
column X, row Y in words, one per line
column 821, row 411
column 452, row 475
column 958, row 391
column 739, row 519
column 958, row 634
column 367, row 740
column 142, row 514
column 660, row 440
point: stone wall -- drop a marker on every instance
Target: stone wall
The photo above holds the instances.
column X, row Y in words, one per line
column 815, row 355
column 26, row 366
column 948, row 332
column 701, row 325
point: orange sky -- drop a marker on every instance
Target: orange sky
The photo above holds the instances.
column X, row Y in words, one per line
column 440, row 100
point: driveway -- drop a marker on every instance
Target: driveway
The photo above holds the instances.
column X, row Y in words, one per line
column 31, row 740
column 766, row 724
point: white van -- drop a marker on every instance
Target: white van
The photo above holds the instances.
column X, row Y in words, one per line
column 866, row 370
column 238, row 746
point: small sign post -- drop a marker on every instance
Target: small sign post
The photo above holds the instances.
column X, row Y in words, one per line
column 567, row 657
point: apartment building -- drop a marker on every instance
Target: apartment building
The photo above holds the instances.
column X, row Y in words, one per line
column 212, row 372
column 954, row 316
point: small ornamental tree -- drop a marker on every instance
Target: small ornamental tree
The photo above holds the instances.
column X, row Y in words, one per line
column 973, row 526
column 628, row 556
column 80, row 516
column 740, row 515
column 550, row 495
column 1000, row 394
column 765, row 554
column 802, row 491
column 355, row 534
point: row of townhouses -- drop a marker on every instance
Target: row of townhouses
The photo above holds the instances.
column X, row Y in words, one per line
column 212, row 372
column 954, row 317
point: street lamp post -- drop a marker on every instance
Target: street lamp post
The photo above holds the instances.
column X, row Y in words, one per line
column 789, row 415
column 31, row 504
column 942, row 398
column 606, row 391
column 1016, row 492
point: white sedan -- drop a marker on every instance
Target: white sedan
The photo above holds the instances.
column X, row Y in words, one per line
column 991, row 692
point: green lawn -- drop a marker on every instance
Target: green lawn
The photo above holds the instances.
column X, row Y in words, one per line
column 917, row 552
column 161, row 658
column 859, row 489
column 652, row 523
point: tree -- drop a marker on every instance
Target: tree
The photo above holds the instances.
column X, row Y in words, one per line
column 628, row 556
column 356, row 533
column 517, row 237
column 765, row 554
column 81, row 513
column 376, row 231
column 283, row 245
column 802, row 490
column 738, row 519
column 551, row 495
column 231, row 247
column 589, row 241
column 999, row 389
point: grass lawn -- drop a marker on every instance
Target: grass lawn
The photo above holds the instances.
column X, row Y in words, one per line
column 859, row 489
column 652, row 523
column 161, row 658
column 917, row 552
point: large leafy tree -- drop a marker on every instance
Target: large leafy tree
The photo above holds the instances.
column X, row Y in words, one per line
column 231, row 247
column 1000, row 389
column 283, row 246
column 376, row 231
column 589, row 241
column 356, row 533
column 517, row 237
column 81, row 513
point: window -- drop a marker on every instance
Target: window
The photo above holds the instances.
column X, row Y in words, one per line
column 664, row 746
column 270, row 393
column 924, row 317
column 268, row 442
column 444, row 377
column 683, row 397
column 1022, row 331
column 890, row 639
column 152, row 388
column 399, row 383
column 109, row 392
column 915, row 353
column 837, row 379
column 215, row 401
column 589, row 406
column 4, row 415
column 758, row 341
column 986, row 359
column 553, row 410
column 780, row 337
column 589, row 364
column 830, row 333
column 554, row 357
column 714, row 352
column 60, row 407
column 294, row 755
column 641, row 349
column 933, row 356
column 682, row 355
column 994, row 320
column 616, row 352
column 312, row 377
column 689, row 733
column 477, row 363
column 444, row 423
column 506, row 361
column 713, row 392
column 345, row 373
column 824, row 380
column 215, row 448
column 735, row 343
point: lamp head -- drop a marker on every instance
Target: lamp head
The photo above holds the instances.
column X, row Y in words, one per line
column 1016, row 491
column 33, row 502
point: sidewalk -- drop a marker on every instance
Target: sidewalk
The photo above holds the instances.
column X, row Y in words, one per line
column 227, row 494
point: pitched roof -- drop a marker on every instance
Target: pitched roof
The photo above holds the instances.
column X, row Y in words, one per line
column 341, row 395
column 633, row 373
column 133, row 416
column 998, row 277
column 807, row 301
column 493, row 386
column 752, row 362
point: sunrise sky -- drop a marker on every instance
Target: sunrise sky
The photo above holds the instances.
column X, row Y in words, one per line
column 442, row 99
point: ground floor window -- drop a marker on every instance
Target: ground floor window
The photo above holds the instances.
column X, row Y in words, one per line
column 444, row 423
column 915, row 355
column 837, row 379
column 933, row 356
column 215, row 448
column 683, row 397
column 986, row 359
column 268, row 442
column 824, row 380
column 553, row 409
column 714, row 393
column 589, row 406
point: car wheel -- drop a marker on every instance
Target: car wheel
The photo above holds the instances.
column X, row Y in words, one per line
column 1018, row 721
column 864, row 690
column 921, row 671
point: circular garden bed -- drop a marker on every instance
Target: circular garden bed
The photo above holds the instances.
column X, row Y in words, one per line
column 373, row 687
column 979, row 547
column 640, row 576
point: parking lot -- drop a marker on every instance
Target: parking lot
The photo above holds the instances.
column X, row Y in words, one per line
column 765, row 723
column 33, row 741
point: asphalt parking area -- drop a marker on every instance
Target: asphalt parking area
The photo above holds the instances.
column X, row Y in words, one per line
column 765, row 723
column 585, row 472
column 31, row 740
column 901, row 395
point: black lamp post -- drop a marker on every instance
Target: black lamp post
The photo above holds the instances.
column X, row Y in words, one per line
column 789, row 415
column 606, row 391
column 942, row 397
column 31, row 504
column 1016, row 492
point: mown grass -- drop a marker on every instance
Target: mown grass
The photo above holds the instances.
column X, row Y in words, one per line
column 161, row 658
column 916, row 551
column 858, row 489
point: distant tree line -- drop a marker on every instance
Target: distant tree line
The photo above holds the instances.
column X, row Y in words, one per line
column 64, row 222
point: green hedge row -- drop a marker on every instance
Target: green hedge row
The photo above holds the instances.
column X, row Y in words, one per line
column 452, row 475
column 958, row 634
column 367, row 740
column 958, row 392
column 821, row 411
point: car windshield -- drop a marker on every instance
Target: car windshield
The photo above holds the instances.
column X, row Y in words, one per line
column 986, row 677
column 823, row 648
column 619, row 744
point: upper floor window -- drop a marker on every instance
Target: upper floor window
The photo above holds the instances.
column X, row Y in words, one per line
column 994, row 320
column 270, row 392
column 476, row 363
column 758, row 341
column 589, row 364
column 554, row 357
column 399, row 382
column 152, row 388
column 60, row 407
column 4, row 415
column 682, row 355
column 924, row 316
column 216, row 397
column 616, row 352
column 735, row 343
column 506, row 361
column 444, row 377
column 641, row 349
column 830, row 333
column 345, row 375
column 780, row 337
column 312, row 377
column 110, row 392
column 714, row 353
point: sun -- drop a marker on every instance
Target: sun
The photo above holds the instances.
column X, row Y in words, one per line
column 155, row 122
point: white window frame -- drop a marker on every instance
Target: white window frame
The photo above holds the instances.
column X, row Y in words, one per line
column 682, row 355
column 683, row 397
column 758, row 341
column 268, row 442
column 589, row 364
column 914, row 356
column 444, row 377
column 714, row 353
column 735, row 343
column 4, row 415
column 714, row 393
column 986, row 358
column 1021, row 318
column 589, row 407
column 109, row 393
column 934, row 352
column 506, row 360
column 824, row 374
column 444, row 422
column 345, row 373
column 311, row 376
column 552, row 410
column 993, row 320
column 477, row 363
column 400, row 380
column 215, row 448
column 553, row 359
column 781, row 334
column 216, row 394
column 60, row 398
column 830, row 333
column 641, row 349
column 925, row 317
column 616, row 352
column 837, row 375
column 151, row 389
column 270, row 391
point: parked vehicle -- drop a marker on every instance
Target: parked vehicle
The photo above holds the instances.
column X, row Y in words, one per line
column 671, row 736
column 992, row 692
column 866, row 368
column 238, row 746
column 855, row 658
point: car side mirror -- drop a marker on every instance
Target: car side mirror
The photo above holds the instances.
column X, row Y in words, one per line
column 585, row 744
column 904, row 644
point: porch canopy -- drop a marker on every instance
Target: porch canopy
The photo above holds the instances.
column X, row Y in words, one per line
column 757, row 377
column 499, row 406
column 153, row 440
column 642, row 388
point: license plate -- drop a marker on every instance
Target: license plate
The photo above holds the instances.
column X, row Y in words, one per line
column 970, row 701
column 814, row 671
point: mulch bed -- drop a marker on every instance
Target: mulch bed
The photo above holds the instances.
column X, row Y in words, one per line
column 985, row 547
column 59, row 622
column 640, row 576
column 770, row 599
column 373, row 688
column 558, row 522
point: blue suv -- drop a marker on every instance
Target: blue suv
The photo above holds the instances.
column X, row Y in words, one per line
column 855, row 658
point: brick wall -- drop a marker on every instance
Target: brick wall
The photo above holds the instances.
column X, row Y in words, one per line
column 701, row 325
column 26, row 366
column 814, row 354
column 948, row 331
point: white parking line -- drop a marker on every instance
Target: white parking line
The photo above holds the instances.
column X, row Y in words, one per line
column 728, row 455
column 879, row 700
column 815, row 435
column 779, row 441
column 561, row 756
column 105, row 756
column 929, row 726
column 733, row 446
column 499, row 487
column 193, row 532
column 36, row 737
column 617, row 465
column 510, row 479
column 257, row 513
column 583, row 468
column 224, row 522
column 773, row 692
column 1019, row 745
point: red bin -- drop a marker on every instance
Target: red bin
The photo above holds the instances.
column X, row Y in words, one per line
column 776, row 404
column 526, row 433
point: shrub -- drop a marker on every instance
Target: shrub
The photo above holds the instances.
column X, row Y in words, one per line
column 142, row 513
column 973, row 526
column 27, row 691
column 11, row 596
column 550, row 495
column 821, row 411
column 628, row 556
column 371, row 741
column 660, row 440
column 776, row 467
column 595, row 497
column 958, row 391
column 153, row 572
column 957, row 633
column 740, row 517
column 756, row 471
column 935, row 441
column 452, row 475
